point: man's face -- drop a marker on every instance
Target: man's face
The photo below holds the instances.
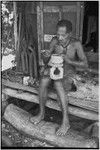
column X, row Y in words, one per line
column 62, row 34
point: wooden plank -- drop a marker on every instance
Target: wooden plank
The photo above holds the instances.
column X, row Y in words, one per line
column 78, row 20
column 55, row 9
column 45, row 131
column 83, row 113
column 73, row 101
column 39, row 33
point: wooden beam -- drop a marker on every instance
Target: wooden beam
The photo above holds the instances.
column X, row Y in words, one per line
column 77, row 111
column 90, row 105
column 45, row 131
column 55, row 9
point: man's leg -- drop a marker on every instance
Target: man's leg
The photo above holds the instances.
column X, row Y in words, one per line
column 42, row 99
column 64, row 103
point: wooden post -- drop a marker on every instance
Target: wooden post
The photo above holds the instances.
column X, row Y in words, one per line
column 45, row 131
column 81, row 20
column 40, row 30
column 15, row 24
column 18, row 45
column 39, row 33
column 78, row 20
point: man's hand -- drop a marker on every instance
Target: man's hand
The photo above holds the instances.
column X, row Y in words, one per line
column 46, row 53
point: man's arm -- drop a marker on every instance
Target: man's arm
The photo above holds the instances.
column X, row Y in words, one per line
column 82, row 58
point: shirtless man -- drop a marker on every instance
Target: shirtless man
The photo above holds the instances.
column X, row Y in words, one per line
column 67, row 47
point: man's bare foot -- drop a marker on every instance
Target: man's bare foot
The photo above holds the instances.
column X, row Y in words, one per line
column 36, row 119
column 63, row 129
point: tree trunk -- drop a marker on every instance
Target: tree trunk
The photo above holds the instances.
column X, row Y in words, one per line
column 45, row 131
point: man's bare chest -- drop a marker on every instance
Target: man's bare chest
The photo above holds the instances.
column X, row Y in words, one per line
column 70, row 50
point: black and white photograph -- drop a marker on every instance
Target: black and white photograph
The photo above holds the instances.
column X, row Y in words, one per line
column 49, row 74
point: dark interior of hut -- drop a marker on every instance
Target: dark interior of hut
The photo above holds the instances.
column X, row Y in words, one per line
column 90, row 12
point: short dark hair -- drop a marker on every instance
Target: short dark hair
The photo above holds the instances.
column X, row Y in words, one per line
column 65, row 23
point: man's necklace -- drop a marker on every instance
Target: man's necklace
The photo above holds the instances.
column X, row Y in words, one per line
column 64, row 46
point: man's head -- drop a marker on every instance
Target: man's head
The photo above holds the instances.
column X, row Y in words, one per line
column 64, row 28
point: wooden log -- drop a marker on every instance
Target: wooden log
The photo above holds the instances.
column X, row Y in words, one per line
column 77, row 111
column 45, row 131
column 72, row 101
column 93, row 130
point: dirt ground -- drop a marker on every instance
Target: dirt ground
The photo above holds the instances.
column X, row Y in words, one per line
column 13, row 138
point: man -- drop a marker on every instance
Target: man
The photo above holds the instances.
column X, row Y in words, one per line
column 67, row 47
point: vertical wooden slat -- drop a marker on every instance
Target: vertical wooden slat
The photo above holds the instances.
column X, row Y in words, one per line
column 15, row 23
column 78, row 20
column 18, row 44
column 81, row 21
column 42, row 32
column 60, row 12
column 39, row 33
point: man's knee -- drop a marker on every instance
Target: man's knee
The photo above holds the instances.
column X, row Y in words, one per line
column 44, row 82
column 58, row 84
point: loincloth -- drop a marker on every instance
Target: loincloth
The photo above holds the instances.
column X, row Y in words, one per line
column 67, row 78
